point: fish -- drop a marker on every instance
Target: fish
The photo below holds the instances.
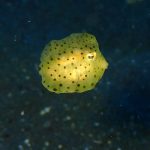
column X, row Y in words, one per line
column 73, row 64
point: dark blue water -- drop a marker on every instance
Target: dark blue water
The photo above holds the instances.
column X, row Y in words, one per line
column 113, row 116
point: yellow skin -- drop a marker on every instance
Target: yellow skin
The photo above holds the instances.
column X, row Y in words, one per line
column 73, row 64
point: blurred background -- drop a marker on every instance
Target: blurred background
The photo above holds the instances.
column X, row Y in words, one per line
column 113, row 116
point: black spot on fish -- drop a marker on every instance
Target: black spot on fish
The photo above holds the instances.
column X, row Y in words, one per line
column 78, row 85
column 60, row 84
column 54, row 89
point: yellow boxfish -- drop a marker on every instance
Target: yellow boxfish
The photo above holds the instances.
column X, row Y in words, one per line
column 72, row 64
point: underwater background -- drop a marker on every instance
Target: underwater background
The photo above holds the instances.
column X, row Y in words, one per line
column 113, row 116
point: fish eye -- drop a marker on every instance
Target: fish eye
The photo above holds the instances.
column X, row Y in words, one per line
column 91, row 56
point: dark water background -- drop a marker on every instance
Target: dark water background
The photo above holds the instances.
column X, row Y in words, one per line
column 113, row 116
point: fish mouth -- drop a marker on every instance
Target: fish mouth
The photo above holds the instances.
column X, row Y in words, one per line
column 104, row 63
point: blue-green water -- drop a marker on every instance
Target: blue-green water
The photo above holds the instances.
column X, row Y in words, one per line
column 113, row 116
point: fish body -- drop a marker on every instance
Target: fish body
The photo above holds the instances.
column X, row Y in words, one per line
column 72, row 64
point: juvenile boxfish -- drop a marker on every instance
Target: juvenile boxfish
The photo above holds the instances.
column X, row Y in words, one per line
column 72, row 64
